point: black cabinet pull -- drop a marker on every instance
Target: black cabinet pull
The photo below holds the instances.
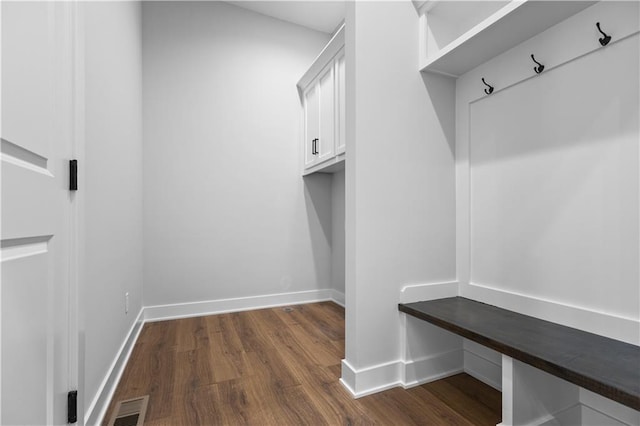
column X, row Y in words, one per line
column 72, row 406
column 73, row 175
column 314, row 146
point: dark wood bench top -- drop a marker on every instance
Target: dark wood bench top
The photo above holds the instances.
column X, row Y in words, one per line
column 608, row 367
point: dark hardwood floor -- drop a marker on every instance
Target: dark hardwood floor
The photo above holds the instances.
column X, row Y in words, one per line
column 279, row 366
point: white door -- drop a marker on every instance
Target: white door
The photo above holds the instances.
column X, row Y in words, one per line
column 37, row 138
column 311, row 125
column 326, row 144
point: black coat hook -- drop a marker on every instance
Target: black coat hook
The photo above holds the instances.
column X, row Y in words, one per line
column 490, row 88
column 605, row 38
column 539, row 68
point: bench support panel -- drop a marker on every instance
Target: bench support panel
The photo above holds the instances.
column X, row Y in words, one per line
column 531, row 396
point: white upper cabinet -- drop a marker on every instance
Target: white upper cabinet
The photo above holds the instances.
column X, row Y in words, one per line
column 323, row 106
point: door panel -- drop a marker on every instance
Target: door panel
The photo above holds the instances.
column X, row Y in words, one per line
column 27, row 74
column 341, row 118
column 24, row 333
column 327, row 107
column 311, row 124
column 25, row 216
column 37, row 134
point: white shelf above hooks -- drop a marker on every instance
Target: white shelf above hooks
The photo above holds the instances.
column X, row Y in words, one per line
column 483, row 30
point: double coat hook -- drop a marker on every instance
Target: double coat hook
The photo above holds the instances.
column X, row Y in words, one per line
column 538, row 69
column 489, row 89
column 605, row 39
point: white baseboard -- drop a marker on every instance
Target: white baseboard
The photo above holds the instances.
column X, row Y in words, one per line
column 405, row 374
column 212, row 307
column 483, row 363
column 592, row 417
column 430, row 368
column 571, row 415
column 581, row 414
column 338, row 298
column 98, row 407
column 370, row 380
column 597, row 410
column 482, row 369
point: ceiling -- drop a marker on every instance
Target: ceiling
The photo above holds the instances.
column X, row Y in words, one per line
column 324, row 16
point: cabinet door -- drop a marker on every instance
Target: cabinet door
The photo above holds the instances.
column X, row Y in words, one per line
column 340, row 104
column 311, row 124
column 326, row 144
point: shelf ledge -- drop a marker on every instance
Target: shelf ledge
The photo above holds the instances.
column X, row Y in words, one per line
column 333, row 165
column 511, row 25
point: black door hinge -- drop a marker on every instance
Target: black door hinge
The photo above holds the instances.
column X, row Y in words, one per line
column 72, row 406
column 73, row 175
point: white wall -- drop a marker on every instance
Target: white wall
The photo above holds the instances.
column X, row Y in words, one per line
column 548, row 188
column 337, row 231
column 112, row 185
column 226, row 211
column 400, row 185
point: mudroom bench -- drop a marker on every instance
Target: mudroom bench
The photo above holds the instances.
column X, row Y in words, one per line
column 602, row 365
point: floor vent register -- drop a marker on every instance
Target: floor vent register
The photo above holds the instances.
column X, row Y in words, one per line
column 130, row 412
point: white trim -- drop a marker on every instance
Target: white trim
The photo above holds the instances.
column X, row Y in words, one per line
column 608, row 419
column 98, row 407
column 604, row 324
column 76, row 324
column 608, row 407
column 425, row 369
column 346, row 385
column 370, row 380
column 422, row 40
column 432, row 367
column 348, row 377
column 571, row 414
column 30, row 248
column 482, row 368
column 1, row 363
column 328, row 165
column 328, row 52
column 576, row 413
column 221, row 306
column 405, row 374
column 431, row 291
column 24, row 164
column 338, row 298
column 554, row 418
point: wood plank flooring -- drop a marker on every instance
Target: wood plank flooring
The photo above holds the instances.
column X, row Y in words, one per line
column 279, row 366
